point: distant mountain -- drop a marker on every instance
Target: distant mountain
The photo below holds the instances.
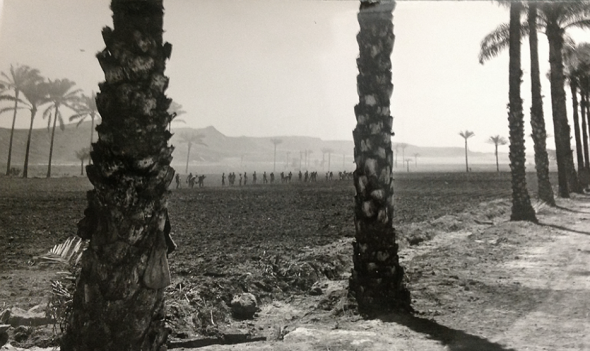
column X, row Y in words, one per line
column 232, row 153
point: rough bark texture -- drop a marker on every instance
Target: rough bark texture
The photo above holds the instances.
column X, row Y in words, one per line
column 119, row 299
column 521, row 203
column 377, row 277
column 537, row 116
column 567, row 177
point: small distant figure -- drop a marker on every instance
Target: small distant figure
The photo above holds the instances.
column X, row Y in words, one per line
column 177, row 178
column 223, row 179
column 201, row 179
column 240, row 179
column 331, row 176
column 245, row 178
column 191, row 180
column 254, row 177
column 300, row 175
column 306, row 177
column 264, row 178
column 272, row 177
column 289, row 177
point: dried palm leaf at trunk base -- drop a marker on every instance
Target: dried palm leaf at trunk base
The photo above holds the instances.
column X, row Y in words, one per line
column 119, row 298
column 377, row 277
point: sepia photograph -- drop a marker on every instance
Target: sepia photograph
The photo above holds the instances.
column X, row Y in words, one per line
column 294, row 175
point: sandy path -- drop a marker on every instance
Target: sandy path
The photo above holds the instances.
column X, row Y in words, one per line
column 562, row 266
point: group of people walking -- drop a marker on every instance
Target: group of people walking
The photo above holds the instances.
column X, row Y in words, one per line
column 243, row 178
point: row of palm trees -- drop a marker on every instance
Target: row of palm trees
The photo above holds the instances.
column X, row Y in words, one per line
column 526, row 19
column 26, row 89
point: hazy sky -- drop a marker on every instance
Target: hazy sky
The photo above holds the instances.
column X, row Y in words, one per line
column 287, row 67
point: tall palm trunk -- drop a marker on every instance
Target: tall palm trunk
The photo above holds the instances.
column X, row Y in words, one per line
column 16, row 94
column 521, row 203
column 545, row 192
column 377, row 276
column 496, row 153
column 577, row 132
column 119, row 298
column 466, row 159
column 188, row 156
column 567, row 177
column 585, row 131
column 28, row 148
column 52, row 139
column 92, row 117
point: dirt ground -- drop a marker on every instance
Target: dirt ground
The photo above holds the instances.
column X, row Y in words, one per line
column 478, row 281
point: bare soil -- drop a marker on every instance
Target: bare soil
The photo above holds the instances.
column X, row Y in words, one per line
column 478, row 281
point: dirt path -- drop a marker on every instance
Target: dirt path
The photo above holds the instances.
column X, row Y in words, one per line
column 560, row 321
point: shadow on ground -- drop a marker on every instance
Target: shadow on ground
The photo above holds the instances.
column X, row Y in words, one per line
column 455, row 340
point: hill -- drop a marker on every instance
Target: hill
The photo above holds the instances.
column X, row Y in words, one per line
column 241, row 153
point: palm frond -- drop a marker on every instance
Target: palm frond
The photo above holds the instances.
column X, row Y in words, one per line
column 67, row 253
column 10, row 109
column 498, row 40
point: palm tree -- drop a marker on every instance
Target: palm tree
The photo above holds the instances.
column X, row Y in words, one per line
column 326, row 150
column 119, row 298
column 377, row 277
column 403, row 146
column 59, row 94
column 577, row 15
column 81, row 155
column 36, row 94
column 191, row 139
column 16, row 79
column 466, row 135
column 558, row 17
column 175, row 110
column 521, row 203
column 275, row 141
column 497, row 140
column 86, row 107
column 408, row 160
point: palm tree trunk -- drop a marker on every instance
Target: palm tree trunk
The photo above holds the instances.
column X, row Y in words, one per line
column 565, row 163
column 51, row 143
column 377, row 276
column 584, row 130
column 16, row 93
column 28, row 148
column 188, row 155
column 577, row 133
column 496, row 153
column 466, row 161
column 92, row 117
column 545, row 192
column 521, row 203
column 82, row 167
column 119, row 298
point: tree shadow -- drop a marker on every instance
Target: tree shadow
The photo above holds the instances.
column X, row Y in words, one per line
column 563, row 228
column 455, row 340
column 570, row 210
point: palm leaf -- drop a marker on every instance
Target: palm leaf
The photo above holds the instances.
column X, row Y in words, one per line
column 67, row 253
column 497, row 41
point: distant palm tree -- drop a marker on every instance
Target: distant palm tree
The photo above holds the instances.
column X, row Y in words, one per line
column 403, row 147
column 59, row 94
column 36, row 94
column 408, row 160
column 81, row 155
column 326, row 150
column 175, row 110
column 16, row 79
column 86, row 107
column 191, row 139
column 275, row 141
column 466, row 135
column 497, row 140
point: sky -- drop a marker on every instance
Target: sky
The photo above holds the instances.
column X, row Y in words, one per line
column 288, row 67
